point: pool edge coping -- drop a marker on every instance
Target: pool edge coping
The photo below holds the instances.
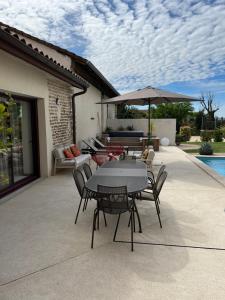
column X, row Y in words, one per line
column 219, row 178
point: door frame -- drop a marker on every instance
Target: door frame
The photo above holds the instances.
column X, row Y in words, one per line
column 35, row 145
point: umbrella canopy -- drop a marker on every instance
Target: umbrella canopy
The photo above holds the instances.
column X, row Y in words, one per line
column 148, row 96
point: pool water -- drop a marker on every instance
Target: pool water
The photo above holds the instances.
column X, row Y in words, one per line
column 216, row 163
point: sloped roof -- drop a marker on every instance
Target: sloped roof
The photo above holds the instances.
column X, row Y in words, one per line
column 12, row 43
column 81, row 66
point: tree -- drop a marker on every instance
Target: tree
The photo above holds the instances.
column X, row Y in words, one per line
column 199, row 116
column 182, row 112
column 6, row 131
column 125, row 111
column 7, row 109
column 209, row 108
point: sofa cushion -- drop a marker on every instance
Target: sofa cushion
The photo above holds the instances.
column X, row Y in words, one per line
column 58, row 152
column 80, row 160
column 68, row 163
column 68, row 153
column 75, row 150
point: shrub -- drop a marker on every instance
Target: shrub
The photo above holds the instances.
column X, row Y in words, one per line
column 206, row 135
column 185, row 131
column 218, row 135
column 206, row 149
column 195, row 131
column 121, row 128
column 108, row 129
column 179, row 139
column 130, row 127
column 222, row 129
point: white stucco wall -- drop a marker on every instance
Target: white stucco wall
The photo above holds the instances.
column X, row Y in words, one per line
column 161, row 127
column 21, row 78
column 91, row 117
column 88, row 114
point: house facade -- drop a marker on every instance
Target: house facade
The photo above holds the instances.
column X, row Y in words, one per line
column 48, row 97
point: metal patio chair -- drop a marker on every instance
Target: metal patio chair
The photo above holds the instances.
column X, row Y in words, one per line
column 87, row 170
column 115, row 201
column 153, row 195
column 83, row 192
column 85, row 195
column 152, row 179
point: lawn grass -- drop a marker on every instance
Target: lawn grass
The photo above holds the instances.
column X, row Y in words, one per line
column 217, row 147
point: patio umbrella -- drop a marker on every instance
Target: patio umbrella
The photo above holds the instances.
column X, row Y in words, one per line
column 147, row 96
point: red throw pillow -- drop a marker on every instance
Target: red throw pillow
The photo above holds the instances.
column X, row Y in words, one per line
column 75, row 151
column 68, row 153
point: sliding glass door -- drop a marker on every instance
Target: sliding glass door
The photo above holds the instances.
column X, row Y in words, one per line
column 18, row 143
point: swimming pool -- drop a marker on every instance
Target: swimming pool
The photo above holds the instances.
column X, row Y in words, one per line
column 216, row 163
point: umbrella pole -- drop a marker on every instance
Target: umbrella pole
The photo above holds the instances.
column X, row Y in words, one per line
column 149, row 123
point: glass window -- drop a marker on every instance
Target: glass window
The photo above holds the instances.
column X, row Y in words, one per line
column 16, row 141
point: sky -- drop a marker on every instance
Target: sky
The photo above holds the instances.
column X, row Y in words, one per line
column 172, row 44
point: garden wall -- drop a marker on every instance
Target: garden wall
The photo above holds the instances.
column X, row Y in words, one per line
column 161, row 127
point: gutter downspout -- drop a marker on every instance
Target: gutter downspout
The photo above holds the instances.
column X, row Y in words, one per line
column 74, row 111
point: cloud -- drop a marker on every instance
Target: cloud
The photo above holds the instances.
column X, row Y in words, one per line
column 134, row 43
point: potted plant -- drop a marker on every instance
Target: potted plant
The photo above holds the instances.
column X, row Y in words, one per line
column 179, row 139
column 106, row 132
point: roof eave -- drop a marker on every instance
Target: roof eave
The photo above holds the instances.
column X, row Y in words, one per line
column 21, row 50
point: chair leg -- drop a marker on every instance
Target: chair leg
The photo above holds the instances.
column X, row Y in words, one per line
column 93, row 227
column 158, row 200
column 104, row 219
column 158, row 205
column 132, row 231
column 117, row 224
column 134, row 222
column 129, row 221
column 86, row 203
column 75, row 222
column 138, row 217
column 98, row 220
column 157, row 210
column 84, row 206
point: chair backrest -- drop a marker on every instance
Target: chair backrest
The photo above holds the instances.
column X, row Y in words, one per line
column 79, row 181
column 98, row 142
column 90, row 145
column 161, row 170
column 87, row 170
column 151, row 155
column 159, row 184
column 113, row 198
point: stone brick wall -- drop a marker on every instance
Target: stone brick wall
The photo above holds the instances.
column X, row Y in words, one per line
column 61, row 113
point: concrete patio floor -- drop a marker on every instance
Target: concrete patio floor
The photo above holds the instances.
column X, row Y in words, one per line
column 43, row 255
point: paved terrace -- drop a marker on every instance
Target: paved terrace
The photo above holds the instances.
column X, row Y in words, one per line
column 43, row 255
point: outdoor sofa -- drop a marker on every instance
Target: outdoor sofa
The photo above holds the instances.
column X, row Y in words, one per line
column 60, row 161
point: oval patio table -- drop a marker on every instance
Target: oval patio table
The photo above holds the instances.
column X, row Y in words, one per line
column 132, row 174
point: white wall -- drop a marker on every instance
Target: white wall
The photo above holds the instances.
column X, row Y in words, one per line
column 88, row 114
column 21, row 78
column 161, row 127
